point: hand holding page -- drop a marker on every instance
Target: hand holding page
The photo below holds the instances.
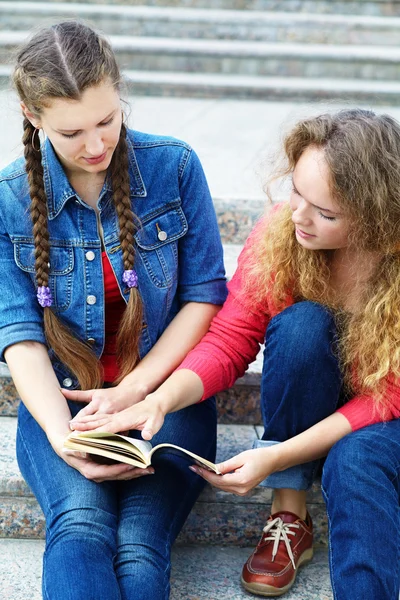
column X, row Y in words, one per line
column 121, row 448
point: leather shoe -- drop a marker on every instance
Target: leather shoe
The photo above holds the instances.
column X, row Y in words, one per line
column 285, row 545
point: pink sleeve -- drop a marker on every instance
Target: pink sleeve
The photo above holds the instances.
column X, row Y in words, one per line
column 233, row 340
column 361, row 410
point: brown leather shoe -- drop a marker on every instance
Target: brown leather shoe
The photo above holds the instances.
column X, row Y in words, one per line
column 285, row 545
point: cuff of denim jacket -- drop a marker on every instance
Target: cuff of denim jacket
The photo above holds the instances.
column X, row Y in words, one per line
column 19, row 332
column 213, row 292
column 300, row 477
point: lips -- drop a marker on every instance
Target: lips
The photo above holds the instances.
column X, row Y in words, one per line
column 303, row 234
column 96, row 159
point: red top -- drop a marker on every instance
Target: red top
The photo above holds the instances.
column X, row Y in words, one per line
column 114, row 308
column 234, row 339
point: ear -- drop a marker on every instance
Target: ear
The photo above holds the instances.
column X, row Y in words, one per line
column 30, row 116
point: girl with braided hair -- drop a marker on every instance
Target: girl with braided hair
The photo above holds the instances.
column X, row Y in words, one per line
column 319, row 282
column 112, row 268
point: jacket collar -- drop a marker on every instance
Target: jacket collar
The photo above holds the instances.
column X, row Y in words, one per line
column 59, row 190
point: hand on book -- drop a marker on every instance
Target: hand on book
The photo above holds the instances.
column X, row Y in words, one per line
column 146, row 416
column 243, row 472
column 107, row 400
column 89, row 468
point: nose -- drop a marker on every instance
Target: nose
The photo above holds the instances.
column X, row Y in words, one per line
column 94, row 145
column 301, row 212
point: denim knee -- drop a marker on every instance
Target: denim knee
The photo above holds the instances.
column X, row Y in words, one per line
column 361, row 457
column 86, row 526
column 305, row 333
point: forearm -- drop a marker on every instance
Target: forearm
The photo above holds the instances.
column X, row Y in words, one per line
column 312, row 444
column 38, row 387
column 183, row 333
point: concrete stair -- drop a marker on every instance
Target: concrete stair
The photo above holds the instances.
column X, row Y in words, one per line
column 260, row 50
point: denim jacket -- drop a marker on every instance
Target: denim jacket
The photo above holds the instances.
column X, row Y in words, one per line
column 178, row 248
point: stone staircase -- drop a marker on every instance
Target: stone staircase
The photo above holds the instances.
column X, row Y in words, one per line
column 260, row 49
column 223, row 49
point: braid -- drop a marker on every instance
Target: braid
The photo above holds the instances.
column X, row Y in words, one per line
column 74, row 354
column 130, row 328
column 34, row 169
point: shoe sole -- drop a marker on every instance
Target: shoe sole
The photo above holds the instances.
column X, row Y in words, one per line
column 261, row 589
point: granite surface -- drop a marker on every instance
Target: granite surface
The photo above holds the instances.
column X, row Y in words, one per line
column 198, row 573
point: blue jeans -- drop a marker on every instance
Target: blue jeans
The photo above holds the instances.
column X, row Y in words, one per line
column 301, row 385
column 112, row 540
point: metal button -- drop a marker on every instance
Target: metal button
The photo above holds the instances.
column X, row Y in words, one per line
column 91, row 299
column 90, row 255
column 67, row 382
column 162, row 236
column 91, row 341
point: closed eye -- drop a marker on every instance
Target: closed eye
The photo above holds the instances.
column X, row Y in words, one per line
column 325, row 217
column 70, row 136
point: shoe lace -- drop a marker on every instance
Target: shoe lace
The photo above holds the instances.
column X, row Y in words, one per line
column 277, row 531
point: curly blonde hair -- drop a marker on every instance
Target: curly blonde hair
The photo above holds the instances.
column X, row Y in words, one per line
column 362, row 152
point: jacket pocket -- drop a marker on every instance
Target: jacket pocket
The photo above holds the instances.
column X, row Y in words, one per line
column 60, row 269
column 157, row 242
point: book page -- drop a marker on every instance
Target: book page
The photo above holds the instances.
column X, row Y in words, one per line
column 199, row 460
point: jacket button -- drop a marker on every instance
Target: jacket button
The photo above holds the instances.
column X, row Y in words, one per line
column 91, row 299
column 90, row 255
column 162, row 236
column 67, row 382
column 91, row 341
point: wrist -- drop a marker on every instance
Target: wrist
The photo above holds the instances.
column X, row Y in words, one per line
column 132, row 383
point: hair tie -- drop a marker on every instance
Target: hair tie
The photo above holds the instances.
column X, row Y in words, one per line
column 130, row 278
column 44, row 296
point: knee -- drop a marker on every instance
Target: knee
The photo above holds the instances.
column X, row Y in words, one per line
column 349, row 463
column 303, row 332
column 92, row 525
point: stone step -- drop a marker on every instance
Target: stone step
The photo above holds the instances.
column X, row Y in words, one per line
column 349, row 7
column 175, row 22
column 198, row 573
column 292, row 89
column 218, row 518
column 231, row 57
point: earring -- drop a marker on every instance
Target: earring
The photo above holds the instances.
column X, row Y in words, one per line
column 33, row 140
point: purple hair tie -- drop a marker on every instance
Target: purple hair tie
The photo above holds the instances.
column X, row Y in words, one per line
column 44, row 296
column 130, row 278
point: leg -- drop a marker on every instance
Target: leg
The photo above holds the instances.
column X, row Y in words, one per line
column 301, row 381
column 81, row 520
column 361, row 487
column 301, row 385
column 154, row 508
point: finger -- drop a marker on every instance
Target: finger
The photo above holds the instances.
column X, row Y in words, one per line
column 231, row 465
column 227, row 483
column 89, row 409
column 120, row 421
column 91, row 422
column 152, row 426
column 78, row 395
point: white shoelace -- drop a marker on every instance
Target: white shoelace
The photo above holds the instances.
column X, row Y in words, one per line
column 278, row 531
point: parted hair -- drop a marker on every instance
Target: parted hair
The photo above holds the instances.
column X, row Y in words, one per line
column 62, row 61
column 362, row 151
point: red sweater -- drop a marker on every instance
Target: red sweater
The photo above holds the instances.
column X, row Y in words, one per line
column 114, row 309
column 234, row 339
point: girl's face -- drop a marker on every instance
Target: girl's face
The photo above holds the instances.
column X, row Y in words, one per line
column 85, row 132
column 319, row 222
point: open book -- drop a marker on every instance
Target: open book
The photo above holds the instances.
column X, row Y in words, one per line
column 128, row 450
